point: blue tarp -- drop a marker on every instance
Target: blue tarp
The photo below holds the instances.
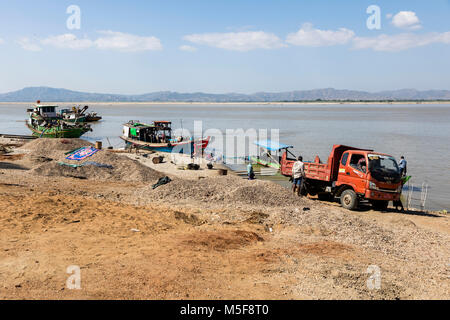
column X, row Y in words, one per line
column 81, row 153
column 271, row 145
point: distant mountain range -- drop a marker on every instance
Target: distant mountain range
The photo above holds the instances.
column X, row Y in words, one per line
column 32, row 94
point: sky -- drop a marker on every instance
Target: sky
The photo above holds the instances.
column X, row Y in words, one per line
column 220, row 46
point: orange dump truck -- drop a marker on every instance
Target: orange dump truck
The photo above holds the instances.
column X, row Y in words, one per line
column 351, row 174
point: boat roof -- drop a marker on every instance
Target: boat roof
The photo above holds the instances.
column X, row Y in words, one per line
column 271, row 145
column 138, row 125
column 44, row 105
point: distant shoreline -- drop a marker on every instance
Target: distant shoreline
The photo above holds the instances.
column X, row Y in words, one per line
column 331, row 102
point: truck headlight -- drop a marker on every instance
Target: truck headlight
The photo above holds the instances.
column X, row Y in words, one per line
column 372, row 185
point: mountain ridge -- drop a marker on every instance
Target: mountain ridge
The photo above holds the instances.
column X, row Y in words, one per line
column 31, row 94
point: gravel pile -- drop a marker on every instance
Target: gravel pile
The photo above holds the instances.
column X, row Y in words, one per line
column 227, row 189
column 48, row 153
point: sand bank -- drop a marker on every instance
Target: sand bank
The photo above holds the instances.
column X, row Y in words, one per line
column 202, row 236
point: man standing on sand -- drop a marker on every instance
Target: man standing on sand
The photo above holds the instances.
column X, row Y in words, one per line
column 250, row 172
column 298, row 173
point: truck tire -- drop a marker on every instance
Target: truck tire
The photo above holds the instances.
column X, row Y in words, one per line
column 380, row 205
column 349, row 199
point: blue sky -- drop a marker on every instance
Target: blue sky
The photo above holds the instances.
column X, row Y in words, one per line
column 224, row 46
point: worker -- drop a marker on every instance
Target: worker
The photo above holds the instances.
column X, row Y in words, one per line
column 250, row 172
column 398, row 203
column 362, row 165
column 402, row 166
column 298, row 173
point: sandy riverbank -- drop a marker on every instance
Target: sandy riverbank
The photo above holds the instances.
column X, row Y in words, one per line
column 202, row 236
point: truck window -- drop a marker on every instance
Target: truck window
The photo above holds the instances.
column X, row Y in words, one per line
column 382, row 163
column 344, row 159
column 358, row 161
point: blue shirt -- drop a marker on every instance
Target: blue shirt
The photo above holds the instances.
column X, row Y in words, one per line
column 402, row 164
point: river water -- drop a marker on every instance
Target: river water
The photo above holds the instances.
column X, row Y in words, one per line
column 419, row 132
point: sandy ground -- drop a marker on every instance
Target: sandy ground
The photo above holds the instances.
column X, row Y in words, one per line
column 200, row 238
column 175, row 164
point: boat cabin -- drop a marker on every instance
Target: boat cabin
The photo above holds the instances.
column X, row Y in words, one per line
column 158, row 132
column 44, row 111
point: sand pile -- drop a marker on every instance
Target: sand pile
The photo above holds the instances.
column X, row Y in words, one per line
column 49, row 153
column 52, row 147
column 228, row 189
column 122, row 170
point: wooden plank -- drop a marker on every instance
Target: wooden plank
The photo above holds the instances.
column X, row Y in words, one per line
column 16, row 136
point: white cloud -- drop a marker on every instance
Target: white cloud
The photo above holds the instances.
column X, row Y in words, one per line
column 67, row 41
column 237, row 41
column 389, row 15
column 399, row 42
column 188, row 48
column 110, row 40
column 28, row 44
column 308, row 36
column 127, row 42
column 406, row 20
column 2, row 41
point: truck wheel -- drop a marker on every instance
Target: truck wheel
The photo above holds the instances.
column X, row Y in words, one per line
column 349, row 199
column 380, row 205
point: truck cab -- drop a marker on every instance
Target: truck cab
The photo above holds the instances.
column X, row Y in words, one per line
column 352, row 175
column 372, row 176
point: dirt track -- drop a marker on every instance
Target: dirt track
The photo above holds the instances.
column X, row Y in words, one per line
column 133, row 242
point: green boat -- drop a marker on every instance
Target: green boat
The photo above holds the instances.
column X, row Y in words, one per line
column 78, row 115
column 265, row 162
column 45, row 123
column 57, row 132
column 269, row 153
column 70, row 116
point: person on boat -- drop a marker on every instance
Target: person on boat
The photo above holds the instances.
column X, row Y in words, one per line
column 250, row 172
column 402, row 166
column 298, row 173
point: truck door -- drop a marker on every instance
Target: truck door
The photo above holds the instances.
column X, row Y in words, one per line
column 353, row 170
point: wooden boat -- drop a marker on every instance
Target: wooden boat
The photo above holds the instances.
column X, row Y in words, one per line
column 158, row 137
column 54, row 131
column 70, row 116
column 78, row 115
column 269, row 155
column 92, row 117
column 45, row 123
